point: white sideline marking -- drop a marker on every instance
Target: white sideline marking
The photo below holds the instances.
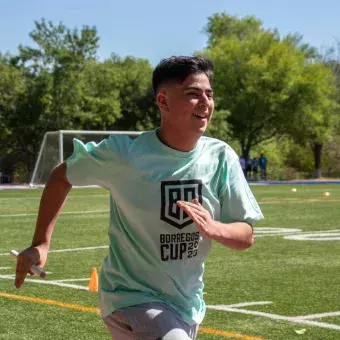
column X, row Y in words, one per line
column 46, row 282
column 4, row 268
column 331, row 235
column 244, row 304
column 317, row 316
column 77, row 249
column 276, row 317
column 39, row 197
column 63, row 213
column 321, row 236
column 71, row 280
column 68, row 250
column 270, row 230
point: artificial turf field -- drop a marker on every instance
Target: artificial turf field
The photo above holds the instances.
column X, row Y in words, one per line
column 287, row 286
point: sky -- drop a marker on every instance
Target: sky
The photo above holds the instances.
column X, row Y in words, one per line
column 155, row 30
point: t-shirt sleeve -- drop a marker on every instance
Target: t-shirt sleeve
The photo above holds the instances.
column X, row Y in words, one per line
column 238, row 203
column 96, row 164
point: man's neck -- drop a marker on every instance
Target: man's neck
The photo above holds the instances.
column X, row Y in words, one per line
column 176, row 140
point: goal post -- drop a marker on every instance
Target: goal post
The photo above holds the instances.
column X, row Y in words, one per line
column 57, row 146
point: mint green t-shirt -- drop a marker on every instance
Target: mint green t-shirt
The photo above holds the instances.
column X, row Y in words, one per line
column 155, row 250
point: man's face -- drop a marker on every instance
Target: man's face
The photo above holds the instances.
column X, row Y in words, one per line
column 187, row 107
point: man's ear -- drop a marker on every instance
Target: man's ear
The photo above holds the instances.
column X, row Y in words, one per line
column 162, row 101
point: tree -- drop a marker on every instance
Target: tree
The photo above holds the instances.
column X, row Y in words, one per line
column 62, row 53
column 222, row 25
column 270, row 85
column 12, row 87
column 51, row 89
column 58, row 47
column 64, row 86
column 331, row 58
column 139, row 109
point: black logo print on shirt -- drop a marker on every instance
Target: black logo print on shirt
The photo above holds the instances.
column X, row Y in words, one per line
column 173, row 191
column 178, row 246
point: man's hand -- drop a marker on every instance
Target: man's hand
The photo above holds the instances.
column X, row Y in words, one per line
column 201, row 216
column 31, row 255
column 236, row 235
column 52, row 200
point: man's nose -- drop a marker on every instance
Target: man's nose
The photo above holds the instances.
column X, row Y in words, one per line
column 204, row 100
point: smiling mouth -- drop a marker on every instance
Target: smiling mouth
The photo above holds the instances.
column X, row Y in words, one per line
column 201, row 116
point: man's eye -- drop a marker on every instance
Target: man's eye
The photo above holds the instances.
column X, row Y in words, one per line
column 193, row 94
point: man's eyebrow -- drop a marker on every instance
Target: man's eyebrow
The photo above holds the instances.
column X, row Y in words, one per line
column 197, row 89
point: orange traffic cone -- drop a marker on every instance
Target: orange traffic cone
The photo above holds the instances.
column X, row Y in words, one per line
column 93, row 284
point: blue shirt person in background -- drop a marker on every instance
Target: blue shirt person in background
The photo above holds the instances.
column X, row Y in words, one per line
column 172, row 191
column 263, row 166
column 255, row 168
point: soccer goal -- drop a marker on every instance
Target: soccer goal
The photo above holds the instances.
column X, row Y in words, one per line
column 58, row 146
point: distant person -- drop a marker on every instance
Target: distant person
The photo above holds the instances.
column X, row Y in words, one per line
column 243, row 166
column 255, row 168
column 263, row 166
column 249, row 164
column 172, row 191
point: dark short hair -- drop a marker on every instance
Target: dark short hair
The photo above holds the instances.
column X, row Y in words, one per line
column 177, row 69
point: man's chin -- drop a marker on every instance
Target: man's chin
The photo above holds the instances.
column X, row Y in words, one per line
column 201, row 130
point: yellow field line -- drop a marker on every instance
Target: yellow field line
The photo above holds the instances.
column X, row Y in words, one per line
column 51, row 302
column 228, row 334
column 96, row 310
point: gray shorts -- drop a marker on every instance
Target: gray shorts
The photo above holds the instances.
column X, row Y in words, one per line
column 149, row 321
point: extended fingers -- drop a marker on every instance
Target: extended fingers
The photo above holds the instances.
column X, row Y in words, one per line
column 194, row 206
column 188, row 206
column 22, row 269
column 197, row 202
column 194, row 216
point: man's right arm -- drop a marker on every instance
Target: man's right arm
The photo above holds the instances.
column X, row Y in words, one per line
column 52, row 200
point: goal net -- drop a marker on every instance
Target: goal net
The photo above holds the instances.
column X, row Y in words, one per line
column 58, row 146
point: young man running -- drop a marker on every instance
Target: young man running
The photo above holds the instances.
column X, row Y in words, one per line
column 172, row 192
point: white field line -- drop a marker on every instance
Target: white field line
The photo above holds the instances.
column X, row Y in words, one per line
column 335, row 236
column 245, row 304
column 77, row 249
column 317, row 316
column 323, row 200
column 64, row 213
column 68, row 250
column 46, row 282
column 302, row 233
column 71, row 280
column 39, row 197
column 4, row 268
column 275, row 230
column 276, row 317
column 265, row 235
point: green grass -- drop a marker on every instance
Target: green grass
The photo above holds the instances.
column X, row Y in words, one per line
column 299, row 277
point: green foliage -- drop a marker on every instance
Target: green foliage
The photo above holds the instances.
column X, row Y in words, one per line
column 59, row 47
column 218, row 127
column 287, row 160
column 266, row 87
column 12, row 88
column 59, row 84
column 139, row 109
column 271, row 86
column 331, row 158
column 222, row 25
